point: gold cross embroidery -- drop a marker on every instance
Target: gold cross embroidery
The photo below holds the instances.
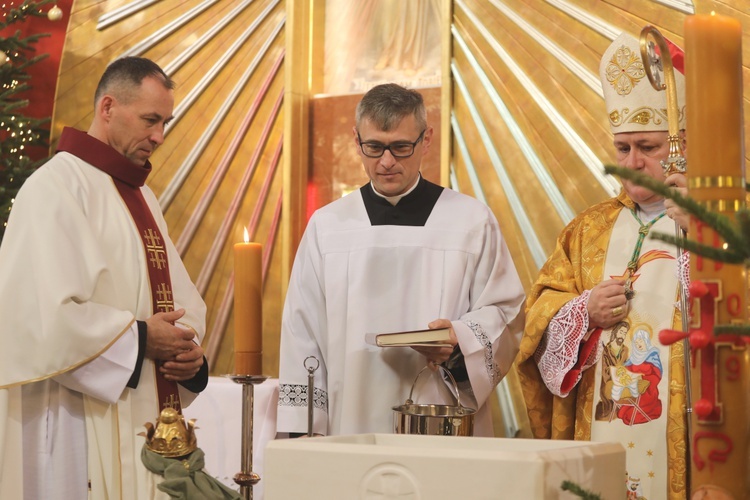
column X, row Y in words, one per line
column 155, row 249
column 171, row 402
column 164, row 302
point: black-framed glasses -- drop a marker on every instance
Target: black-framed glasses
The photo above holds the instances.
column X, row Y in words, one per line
column 398, row 149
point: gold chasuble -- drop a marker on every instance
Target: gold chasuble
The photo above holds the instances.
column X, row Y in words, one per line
column 634, row 393
column 128, row 179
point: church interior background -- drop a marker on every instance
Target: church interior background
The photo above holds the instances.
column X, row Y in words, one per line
column 265, row 99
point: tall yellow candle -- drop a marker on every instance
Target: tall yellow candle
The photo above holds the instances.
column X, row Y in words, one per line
column 720, row 372
column 248, row 310
column 715, row 153
column 713, row 84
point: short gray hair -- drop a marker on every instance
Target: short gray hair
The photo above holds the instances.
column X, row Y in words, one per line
column 387, row 104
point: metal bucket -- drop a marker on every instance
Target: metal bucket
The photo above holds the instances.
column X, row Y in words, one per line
column 434, row 420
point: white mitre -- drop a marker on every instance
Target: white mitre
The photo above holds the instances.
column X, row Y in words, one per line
column 633, row 105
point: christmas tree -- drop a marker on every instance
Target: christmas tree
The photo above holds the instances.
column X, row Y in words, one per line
column 20, row 135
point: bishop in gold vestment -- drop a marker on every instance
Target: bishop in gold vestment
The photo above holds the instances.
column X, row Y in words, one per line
column 608, row 287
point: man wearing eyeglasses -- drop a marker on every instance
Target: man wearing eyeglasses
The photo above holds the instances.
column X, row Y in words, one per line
column 399, row 254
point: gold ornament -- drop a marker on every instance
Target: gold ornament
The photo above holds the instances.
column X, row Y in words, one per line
column 171, row 437
column 3, row 58
column 55, row 13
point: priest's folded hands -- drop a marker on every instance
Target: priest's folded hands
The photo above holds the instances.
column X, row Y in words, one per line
column 182, row 357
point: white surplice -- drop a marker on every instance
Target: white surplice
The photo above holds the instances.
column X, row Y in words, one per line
column 351, row 278
column 69, row 337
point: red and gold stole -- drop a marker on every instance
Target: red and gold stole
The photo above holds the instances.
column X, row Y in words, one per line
column 128, row 179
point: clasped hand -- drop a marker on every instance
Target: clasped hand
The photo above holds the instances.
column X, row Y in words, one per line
column 437, row 355
column 180, row 356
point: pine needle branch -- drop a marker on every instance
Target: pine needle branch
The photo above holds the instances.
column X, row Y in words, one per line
column 732, row 329
column 707, row 251
column 578, row 491
column 723, row 225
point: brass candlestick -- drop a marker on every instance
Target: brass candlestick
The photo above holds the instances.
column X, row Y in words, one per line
column 246, row 478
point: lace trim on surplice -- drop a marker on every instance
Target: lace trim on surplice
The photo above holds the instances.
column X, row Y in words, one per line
column 493, row 371
column 296, row 395
column 558, row 351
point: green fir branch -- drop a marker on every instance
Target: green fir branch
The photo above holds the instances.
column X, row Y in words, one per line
column 722, row 224
column 15, row 42
column 9, row 105
column 742, row 217
column 21, row 12
column 736, row 233
column 707, row 251
column 732, row 329
column 30, row 62
column 578, row 491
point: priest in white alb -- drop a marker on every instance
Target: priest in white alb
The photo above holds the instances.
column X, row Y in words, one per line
column 400, row 253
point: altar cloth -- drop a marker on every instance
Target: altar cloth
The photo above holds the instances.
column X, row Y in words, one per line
column 218, row 416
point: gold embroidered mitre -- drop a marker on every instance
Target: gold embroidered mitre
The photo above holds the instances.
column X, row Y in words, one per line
column 633, row 104
column 171, row 437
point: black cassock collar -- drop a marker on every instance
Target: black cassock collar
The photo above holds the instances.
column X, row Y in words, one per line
column 412, row 210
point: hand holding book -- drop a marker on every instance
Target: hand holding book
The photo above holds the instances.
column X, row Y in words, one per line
column 439, row 337
column 436, row 344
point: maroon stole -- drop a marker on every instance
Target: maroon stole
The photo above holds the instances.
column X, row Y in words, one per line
column 128, row 179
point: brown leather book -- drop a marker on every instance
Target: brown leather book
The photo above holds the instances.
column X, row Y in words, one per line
column 439, row 337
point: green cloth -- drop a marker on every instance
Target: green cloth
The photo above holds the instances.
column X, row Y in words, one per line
column 184, row 478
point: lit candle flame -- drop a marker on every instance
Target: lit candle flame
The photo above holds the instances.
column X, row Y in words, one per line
column 246, row 236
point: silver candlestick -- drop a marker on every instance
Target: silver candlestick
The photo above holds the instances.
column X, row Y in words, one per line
column 311, row 364
column 246, row 478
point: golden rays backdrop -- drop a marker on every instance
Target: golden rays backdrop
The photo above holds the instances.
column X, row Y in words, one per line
column 521, row 117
